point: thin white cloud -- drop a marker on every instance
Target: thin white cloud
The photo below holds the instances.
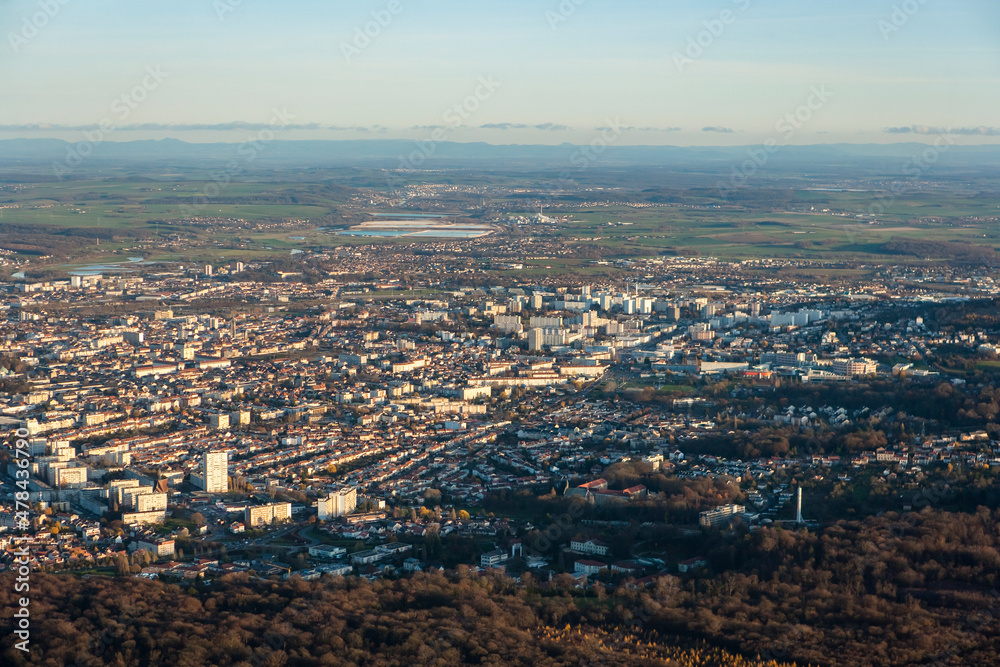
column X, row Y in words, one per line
column 545, row 127
column 978, row 131
column 632, row 128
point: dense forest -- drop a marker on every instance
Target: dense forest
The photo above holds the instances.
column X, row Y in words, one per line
column 427, row 620
column 912, row 589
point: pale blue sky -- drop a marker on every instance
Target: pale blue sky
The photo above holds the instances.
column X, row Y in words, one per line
column 562, row 74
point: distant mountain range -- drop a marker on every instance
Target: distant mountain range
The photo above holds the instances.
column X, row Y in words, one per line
column 394, row 154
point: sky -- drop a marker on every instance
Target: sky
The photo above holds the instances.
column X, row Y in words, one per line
column 664, row 72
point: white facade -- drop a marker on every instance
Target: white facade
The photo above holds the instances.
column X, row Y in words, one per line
column 589, row 547
column 541, row 338
column 215, row 471
column 264, row 515
column 852, row 367
column 219, row 420
column 338, row 503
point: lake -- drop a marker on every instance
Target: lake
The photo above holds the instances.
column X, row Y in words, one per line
column 406, row 215
column 110, row 267
column 413, row 228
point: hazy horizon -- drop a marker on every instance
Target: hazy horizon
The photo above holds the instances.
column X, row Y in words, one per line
column 723, row 73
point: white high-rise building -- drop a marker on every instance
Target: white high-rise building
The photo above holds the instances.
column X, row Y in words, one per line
column 338, row 503
column 539, row 338
column 215, row 469
column 508, row 323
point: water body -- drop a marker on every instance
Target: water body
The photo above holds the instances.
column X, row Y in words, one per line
column 111, row 267
column 433, row 233
column 386, row 224
column 834, row 190
column 425, row 231
column 406, row 215
column 452, row 233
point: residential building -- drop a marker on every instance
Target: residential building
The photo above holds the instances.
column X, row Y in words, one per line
column 215, row 468
column 265, row 515
column 338, row 503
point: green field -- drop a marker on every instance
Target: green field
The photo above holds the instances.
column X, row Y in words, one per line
column 785, row 234
column 169, row 220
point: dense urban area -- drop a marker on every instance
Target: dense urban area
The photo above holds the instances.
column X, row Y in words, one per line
column 592, row 449
column 502, row 334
